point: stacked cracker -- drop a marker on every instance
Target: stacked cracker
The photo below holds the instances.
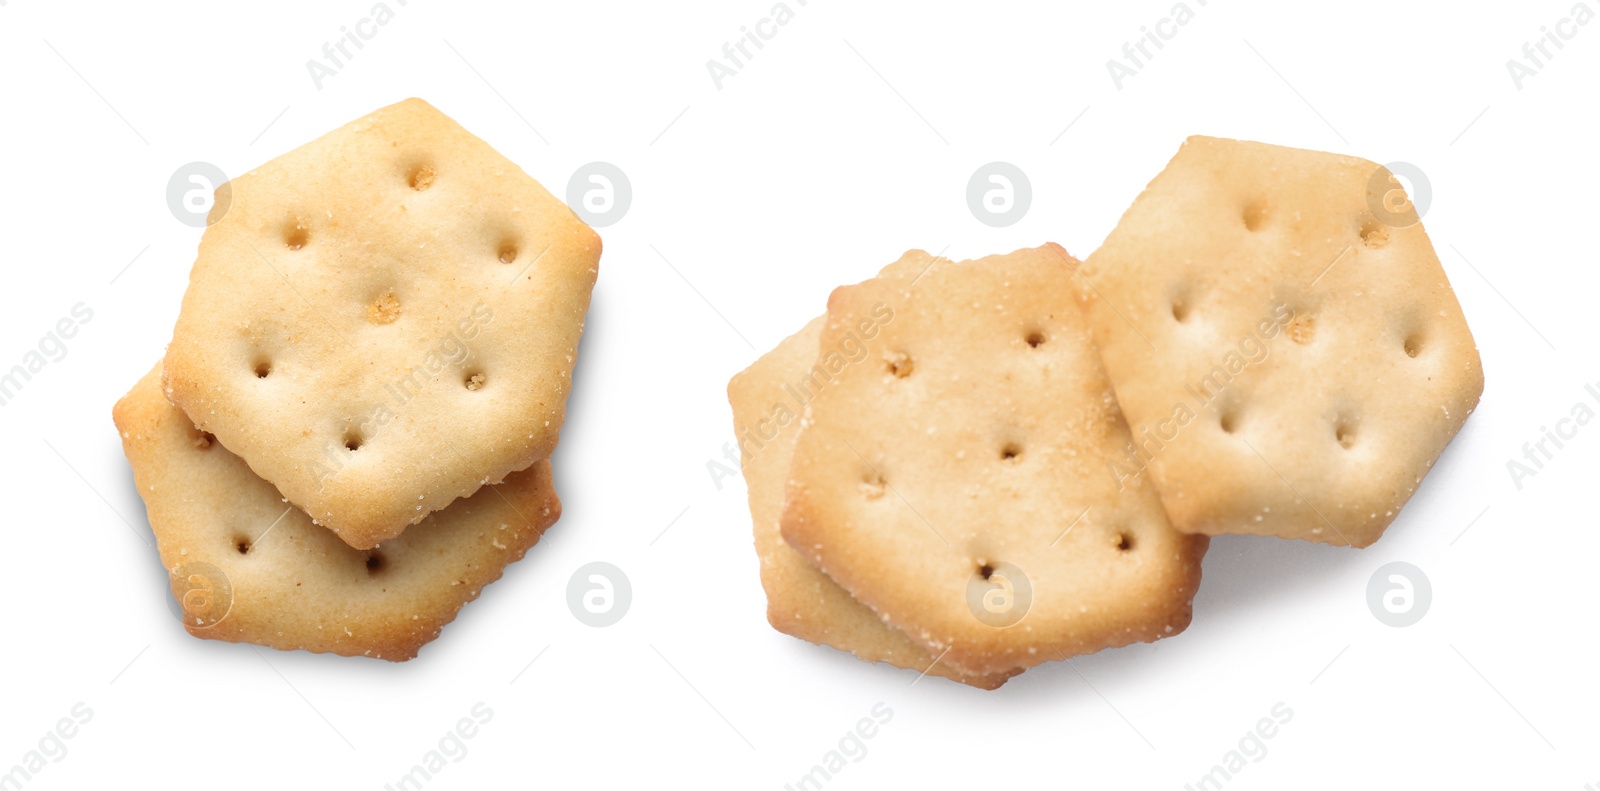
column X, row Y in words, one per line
column 350, row 432
column 971, row 468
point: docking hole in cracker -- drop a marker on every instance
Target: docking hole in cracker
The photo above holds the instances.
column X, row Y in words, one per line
column 1003, row 544
column 291, row 584
column 354, row 291
column 802, row 601
column 1313, row 325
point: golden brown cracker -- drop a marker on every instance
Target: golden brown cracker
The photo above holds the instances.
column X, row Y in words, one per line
column 768, row 399
column 249, row 567
column 955, row 481
column 384, row 320
column 1283, row 340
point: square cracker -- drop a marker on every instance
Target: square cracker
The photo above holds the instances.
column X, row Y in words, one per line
column 1283, row 341
column 802, row 601
column 250, row 568
column 954, row 479
column 383, row 320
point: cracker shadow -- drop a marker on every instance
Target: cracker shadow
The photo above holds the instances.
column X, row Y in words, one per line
column 565, row 457
column 1051, row 687
column 1240, row 573
column 835, row 666
column 246, row 658
column 1242, row 578
column 1081, row 681
column 1238, row 577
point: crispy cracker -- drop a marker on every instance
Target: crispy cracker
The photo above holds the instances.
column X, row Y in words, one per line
column 802, row 601
column 1283, row 340
column 384, row 320
column 954, row 480
column 250, row 568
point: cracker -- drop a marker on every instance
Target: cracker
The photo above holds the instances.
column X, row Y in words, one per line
column 1283, row 340
column 384, row 320
column 955, row 481
column 251, row 568
column 801, row 601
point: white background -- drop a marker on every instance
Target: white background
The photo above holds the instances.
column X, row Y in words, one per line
column 846, row 140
